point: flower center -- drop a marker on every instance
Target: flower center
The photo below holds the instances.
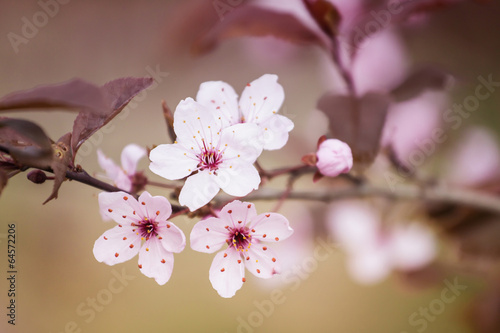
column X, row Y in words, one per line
column 210, row 158
column 240, row 238
column 147, row 229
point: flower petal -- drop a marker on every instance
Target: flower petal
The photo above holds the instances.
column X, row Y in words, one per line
column 131, row 155
column 172, row 161
column 241, row 144
column 155, row 208
column 238, row 181
column 262, row 263
column 112, row 170
column 369, row 266
column 271, row 227
column 221, row 99
column 120, row 206
column 412, row 246
column 156, row 262
column 198, row 190
column 274, row 132
column 226, row 273
column 262, row 98
column 209, row 235
column 172, row 238
column 237, row 211
column 116, row 245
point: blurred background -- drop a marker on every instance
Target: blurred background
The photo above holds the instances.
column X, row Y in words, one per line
column 62, row 288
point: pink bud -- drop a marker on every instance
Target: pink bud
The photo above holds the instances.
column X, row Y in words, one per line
column 334, row 158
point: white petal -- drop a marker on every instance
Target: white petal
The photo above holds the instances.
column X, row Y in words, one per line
column 120, row 206
column 192, row 122
column 370, row 266
column 262, row 263
column 412, row 247
column 172, row 238
column 261, row 98
column 226, row 274
column 236, row 211
column 156, row 262
column 241, row 143
column 198, row 190
column 239, row 180
column 274, row 132
column 221, row 99
column 209, row 235
column 270, row 227
column 155, row 208
column 172, row 161
column 107, row 164
column 117, row 245
column 131, row 155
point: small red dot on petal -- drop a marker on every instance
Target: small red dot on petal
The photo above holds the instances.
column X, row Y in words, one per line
column 124, row 238
column 125, row 198
column 207, row 247
column 258, row 270
column 110, row 210
column 243, row 279
column 120, row 225
column 208, row 229
column 225, row 255
column 143, row 203
column 227, row 227
column 276, row 239
column 247, row 258
column 157, row 212
column 168, row 225
column 230, row 211
column 249, row 206
column 264, row 248
column 116, row 254
column 140, row 266
column 222, row 269
column 105, row 238
column 253, row 230
column 163, row 261
column 267, row 215
column 264, row 236
column 131, row 246
column 159, row 237
column 239, row 261
column 124, row 216
column 274, row 259
column 240, row 221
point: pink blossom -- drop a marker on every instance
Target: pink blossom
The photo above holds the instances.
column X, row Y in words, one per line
column 334, row 158
column 123, row 177
column 373, row 252
column 211, row 155
column 259, row 104
column 139, row 220
column 246, row 235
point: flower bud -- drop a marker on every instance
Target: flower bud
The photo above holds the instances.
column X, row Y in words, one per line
column 334, row 158
column 37, row 176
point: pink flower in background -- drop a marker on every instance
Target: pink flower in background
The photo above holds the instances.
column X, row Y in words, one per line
column 246, row 235
column 373, row 252
column 334, row 157
column 126, row 176
column 475, row 160
column 139, row 220
column 212, row 155
column 259, row 104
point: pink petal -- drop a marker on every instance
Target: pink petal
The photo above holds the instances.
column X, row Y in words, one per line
column 131, row 155
column 156, row 262
column 117, row 245
column 238, row 181
column 198, row 190
column 155, row 208
column 270, row 227
column 107, row 164
column 334, row 158
column 241, row 144
column 226, row 273
column 172, row 161
column 274, row 131
column 221, row 99
column 120, row 206
column 412, row 246
column 370, row 266
column 209, row 235
column 173, row 239
column 236, row 211
column 262, row 98
column 262, row 263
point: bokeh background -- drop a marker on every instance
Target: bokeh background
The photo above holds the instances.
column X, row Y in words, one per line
column 98, row 41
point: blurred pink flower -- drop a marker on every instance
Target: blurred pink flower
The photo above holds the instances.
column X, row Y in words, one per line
column 259, row 104
column 372, row 251
column 221, row 156
column 334, row 157
column 475, row 160
column 123, row 177
column 138, row 220
column 245, row 234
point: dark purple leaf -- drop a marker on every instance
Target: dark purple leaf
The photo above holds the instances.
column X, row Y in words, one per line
column 325, row 14
column 25, row 142
column 257, row 21
column 61, row 160
column 426, row 78
column 117, row 94
column 358, row 122
column 75, row 95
